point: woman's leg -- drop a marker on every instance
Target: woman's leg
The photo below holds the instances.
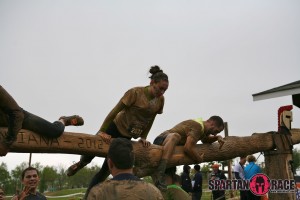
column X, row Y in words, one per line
column 41, row 126
column 99, row 177
column 48, row 129
column 104, row 171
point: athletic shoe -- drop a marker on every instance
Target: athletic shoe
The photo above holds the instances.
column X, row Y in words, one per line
column 74, row 120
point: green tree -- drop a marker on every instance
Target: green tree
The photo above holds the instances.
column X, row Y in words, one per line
column 296, row 159
column 16, row 175
column 62, row 177
column 4, row 177
column 38, row 166
column 83, row 177
column 49, row 176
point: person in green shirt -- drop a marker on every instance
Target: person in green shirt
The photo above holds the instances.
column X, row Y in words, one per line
column 174, row 190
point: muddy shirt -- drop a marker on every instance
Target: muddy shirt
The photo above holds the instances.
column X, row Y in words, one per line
column 187, row 128
column 136, row 119
column 120, row 189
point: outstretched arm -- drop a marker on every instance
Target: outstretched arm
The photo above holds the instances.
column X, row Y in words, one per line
column 190, row 149
column 212, row 138
column 145, row 134
column 109, row 118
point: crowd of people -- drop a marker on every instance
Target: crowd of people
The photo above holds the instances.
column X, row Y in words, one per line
column 132, row 117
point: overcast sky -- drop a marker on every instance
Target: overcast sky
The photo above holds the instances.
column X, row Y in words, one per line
column 65, row 57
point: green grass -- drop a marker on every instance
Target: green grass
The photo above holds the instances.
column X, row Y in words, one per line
column 66, row 192
column 206, row 195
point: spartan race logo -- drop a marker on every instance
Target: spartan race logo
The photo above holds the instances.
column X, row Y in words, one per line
column 259, row 185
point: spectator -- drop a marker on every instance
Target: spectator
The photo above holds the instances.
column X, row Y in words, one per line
column 124, row 185
column 239, row 173
column 186, row 183
column 2, row 195
column 217, row 174
column 30, row 180
column 174, row 191
column 197, row 186
column 250, row 170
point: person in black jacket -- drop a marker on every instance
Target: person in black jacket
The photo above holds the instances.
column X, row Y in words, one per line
column 197, row 187
column 217, row 174
column 186, row 183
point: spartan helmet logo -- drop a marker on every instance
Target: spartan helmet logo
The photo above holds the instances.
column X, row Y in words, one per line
column 260, row 184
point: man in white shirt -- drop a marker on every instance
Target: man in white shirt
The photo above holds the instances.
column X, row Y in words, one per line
column 239, row 173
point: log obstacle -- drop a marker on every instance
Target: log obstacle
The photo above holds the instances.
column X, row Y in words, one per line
column 147, row 159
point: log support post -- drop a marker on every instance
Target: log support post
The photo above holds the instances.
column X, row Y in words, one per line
column 279, row 161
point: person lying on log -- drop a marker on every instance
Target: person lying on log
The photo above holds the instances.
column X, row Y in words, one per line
column 15, row 118
column 187, row 134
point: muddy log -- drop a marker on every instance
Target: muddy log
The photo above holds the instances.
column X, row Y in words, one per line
column 146, row 158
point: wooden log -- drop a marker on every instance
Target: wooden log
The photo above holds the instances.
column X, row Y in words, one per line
column 147, row 159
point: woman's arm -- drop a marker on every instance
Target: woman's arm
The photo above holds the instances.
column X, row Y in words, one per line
column 108, row 120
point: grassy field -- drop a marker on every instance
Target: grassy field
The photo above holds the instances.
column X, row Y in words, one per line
column 78, row 193
column 74, row 194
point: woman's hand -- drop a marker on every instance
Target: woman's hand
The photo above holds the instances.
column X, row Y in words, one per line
column 105, row 137
column 145, row 142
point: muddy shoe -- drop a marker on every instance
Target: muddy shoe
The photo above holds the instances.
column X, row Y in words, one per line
column 4, row 146
column 73, row 169
column 3, row 149
column 74, row 120
column 9, row 140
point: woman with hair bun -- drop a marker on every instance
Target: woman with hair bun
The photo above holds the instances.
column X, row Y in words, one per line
column 132, row 117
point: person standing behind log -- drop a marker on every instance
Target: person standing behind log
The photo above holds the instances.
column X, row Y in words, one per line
column 250, row 170
column 174, row 190
column 187, row 134
column 132, row 117
column 30, row 180
column 186, row 182
column 2, row 195
column 217, row 174
column 124, row 185
column 197, row 187
column 15, row 118
column 239, row 173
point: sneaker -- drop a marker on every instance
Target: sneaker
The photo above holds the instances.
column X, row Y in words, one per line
column 73, row 169
column 9, row 140
column 5, row 145
column 74, row 120
column 3, row 149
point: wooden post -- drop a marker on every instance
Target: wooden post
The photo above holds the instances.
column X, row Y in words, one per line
column 278, row 163
column 30, row 155
column 229, row 161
